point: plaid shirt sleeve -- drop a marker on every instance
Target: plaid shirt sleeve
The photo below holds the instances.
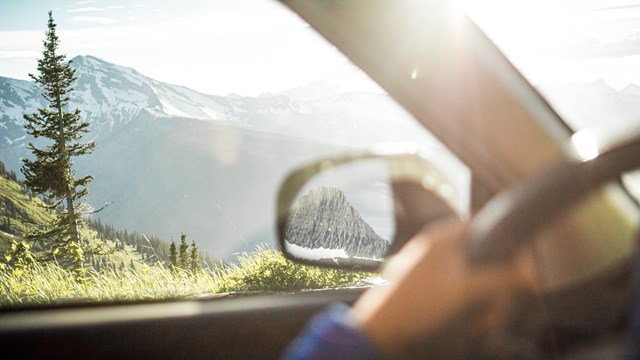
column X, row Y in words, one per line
column 332, row 334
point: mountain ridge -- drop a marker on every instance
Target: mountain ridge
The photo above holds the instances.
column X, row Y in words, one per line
column 324, row 218
column 585, row 105
column 173, row 160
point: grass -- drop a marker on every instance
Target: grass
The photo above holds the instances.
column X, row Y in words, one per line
column 125, row 276
column 262, row 270
column 268, row 269
column 25, row 211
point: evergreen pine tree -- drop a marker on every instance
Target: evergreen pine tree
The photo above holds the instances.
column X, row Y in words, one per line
column 173, row 255
column 13, row 176
column 183, row 252
column 50, row 173
column 194, row 261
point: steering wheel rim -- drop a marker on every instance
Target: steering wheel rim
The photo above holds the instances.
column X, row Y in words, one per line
column 512, row 218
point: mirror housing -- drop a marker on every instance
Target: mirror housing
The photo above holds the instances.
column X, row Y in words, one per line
column 352, row 211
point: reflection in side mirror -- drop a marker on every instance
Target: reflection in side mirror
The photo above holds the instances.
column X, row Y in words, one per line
column 343, row 215
column 351, row 212
column 324, row 226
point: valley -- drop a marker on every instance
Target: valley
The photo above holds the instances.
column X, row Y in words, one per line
column 171, row 160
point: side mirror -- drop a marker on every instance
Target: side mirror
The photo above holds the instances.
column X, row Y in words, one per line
column 352, row 211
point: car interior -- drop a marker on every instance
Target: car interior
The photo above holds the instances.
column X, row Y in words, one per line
column 530, row 190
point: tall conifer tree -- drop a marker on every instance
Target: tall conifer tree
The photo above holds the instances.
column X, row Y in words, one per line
column 173, row 256
column 51, row 172
column 194, row 261
column 183, row 252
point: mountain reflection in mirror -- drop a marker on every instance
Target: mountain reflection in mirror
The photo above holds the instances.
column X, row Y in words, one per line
column 343, row 213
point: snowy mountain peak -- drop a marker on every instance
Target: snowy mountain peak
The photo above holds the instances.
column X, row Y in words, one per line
column 110, row 95
column 103, row 87
column 82, row 61
column 631, row 90
column 585, row 105
column 92, row 69
column 601, row 87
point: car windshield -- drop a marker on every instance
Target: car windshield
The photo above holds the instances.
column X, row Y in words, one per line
column 582, row 56
column 198, row 110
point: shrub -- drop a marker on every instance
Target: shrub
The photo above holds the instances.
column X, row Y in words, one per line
column 267, row 269
column 262, row 270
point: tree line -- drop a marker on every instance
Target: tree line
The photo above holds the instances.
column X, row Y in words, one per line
column 10, row 175
column 185, row 257
column 152, row 248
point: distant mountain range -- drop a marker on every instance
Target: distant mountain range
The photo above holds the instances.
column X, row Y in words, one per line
column 596, row 105
column 174, row 160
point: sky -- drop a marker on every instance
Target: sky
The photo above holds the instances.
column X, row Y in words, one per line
column 249, row 47
column 558, row 41
column 245, row 47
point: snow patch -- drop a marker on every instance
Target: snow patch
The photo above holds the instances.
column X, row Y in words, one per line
column 315, row 254
column 169, row 109
column 213, row 115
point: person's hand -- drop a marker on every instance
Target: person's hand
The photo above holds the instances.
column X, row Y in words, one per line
column 430, row 283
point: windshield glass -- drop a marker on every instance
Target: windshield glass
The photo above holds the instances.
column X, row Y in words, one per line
column 583, row 56
column 197, row 110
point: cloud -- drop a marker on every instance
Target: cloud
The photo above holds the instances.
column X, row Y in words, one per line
column 593, row 48
column 115, row 7
column 85, row 9
column 11, row 54
column 94, row 19
column 628, row 46
column 85, row 2
column 20, row 44
column 614, row 7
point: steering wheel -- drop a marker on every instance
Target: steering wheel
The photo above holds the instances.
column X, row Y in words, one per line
column 514, row 216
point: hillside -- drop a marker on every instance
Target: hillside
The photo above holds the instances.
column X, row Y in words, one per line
column 22, row 211
column 135, row 269
column 19, row 209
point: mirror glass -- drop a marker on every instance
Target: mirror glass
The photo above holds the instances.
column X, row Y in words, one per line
column 351, row 212
column 343, row 216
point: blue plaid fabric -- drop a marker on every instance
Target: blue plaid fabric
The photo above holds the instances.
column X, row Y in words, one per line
column 332, row 335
